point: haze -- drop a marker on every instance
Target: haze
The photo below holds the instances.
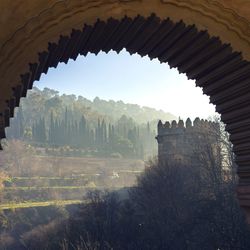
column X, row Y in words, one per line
column 132, row 79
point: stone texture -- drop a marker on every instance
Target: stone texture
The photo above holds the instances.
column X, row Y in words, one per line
column 185, row 144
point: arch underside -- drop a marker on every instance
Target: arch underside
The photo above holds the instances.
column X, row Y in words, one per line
column 222, row 73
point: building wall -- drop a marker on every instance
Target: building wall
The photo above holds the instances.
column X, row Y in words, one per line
column 188, row 143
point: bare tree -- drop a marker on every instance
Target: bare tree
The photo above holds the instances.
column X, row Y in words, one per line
column 17, row 156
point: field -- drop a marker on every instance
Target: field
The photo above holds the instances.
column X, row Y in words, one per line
column 27, row 204
column 76, row 166
column 66, row 180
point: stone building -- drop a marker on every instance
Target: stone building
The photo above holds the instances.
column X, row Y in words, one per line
column 188, row 143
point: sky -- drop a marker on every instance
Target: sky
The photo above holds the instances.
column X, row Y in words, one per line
column 132, row 79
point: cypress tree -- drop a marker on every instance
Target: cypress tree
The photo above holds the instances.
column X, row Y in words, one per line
column 52, row 129
column 42, row 130
column 83, row 132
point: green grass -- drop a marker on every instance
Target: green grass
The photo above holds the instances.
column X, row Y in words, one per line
column 39, row 188
column 29, row 204
column 47, row 178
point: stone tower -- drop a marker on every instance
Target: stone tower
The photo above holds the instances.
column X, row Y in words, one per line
column 187, row 142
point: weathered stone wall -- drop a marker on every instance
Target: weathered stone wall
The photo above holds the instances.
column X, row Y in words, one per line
column 187, row 142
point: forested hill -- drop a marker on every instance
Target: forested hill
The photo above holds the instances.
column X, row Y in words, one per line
column 48, row 119
column 40, row 103
column 113, row 110
column 117, row 108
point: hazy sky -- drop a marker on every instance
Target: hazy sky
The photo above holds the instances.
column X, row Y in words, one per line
column 131, row 79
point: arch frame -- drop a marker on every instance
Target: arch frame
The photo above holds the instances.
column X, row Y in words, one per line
column 27, row 36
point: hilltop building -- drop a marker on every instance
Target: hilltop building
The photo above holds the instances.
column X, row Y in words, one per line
column 188, row 143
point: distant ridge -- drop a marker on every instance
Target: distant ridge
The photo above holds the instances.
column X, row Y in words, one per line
column 140, row 114
column 110, row 108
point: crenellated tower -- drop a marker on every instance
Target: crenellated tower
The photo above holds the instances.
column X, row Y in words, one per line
column 184, row 142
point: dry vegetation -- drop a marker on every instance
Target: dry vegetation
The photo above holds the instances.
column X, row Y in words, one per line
column 37, row 180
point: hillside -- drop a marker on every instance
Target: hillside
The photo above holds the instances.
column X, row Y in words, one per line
column 47, row 100
column 116, row 109
column 98, row 128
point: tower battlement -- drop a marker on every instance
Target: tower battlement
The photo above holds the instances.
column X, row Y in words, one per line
column 179, row 140
column 198, row 126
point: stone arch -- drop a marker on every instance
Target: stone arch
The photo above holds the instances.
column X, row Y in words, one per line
column 216, row 51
